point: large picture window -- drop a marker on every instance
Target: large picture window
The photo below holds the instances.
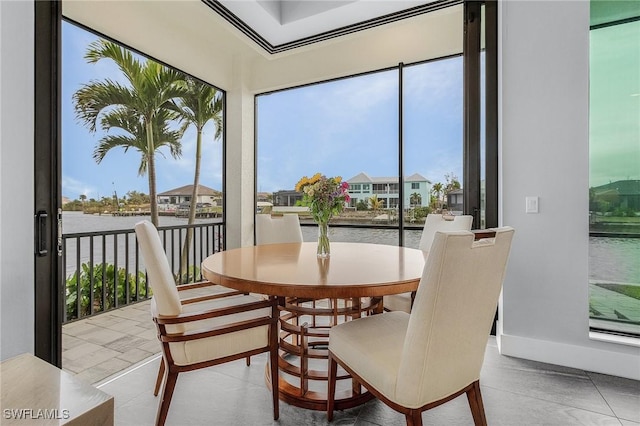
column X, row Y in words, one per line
column 351, row 128
column 406, row 140
column 614, row 180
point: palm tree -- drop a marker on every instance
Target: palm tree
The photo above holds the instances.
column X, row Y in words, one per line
column 151, row 88
column 200, row 104
column 436, row 190
column 415, row 199
column 376, row 203
column 135, row 135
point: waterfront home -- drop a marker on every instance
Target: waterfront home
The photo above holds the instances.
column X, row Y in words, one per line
column 173, row 198
column 622, row 194
column 362, row 187
column 416, row 190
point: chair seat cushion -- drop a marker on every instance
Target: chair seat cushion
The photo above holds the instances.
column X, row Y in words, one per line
column 398, row 302
column 372, row 348
column 201, row 350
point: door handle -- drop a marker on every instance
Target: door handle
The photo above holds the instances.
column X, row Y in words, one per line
column 41, row 233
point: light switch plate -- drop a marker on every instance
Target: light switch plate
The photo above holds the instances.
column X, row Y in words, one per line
column 531, row 204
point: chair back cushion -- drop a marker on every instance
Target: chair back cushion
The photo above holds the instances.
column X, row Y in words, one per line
column 273, row 230
column 452, row 315
column 165, row 293
column 436, row 222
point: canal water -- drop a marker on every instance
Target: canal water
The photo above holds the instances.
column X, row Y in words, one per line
column 610, row 259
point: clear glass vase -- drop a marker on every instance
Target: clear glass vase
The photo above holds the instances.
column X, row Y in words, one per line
column 324, row 248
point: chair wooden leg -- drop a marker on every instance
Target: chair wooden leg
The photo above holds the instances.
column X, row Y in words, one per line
column 167, row 393
column 159, row 378
column 248, row 361
column 475, row 403
column 331, row 391
column 414, row 418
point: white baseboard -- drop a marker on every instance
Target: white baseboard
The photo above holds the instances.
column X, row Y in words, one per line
column 589, row 359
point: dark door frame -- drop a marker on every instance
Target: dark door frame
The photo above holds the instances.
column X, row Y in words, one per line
column 49, row 288
column 472, row 111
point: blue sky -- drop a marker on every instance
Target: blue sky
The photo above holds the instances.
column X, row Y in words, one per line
column 119, row 170
column 342, row 127
column 349, row 126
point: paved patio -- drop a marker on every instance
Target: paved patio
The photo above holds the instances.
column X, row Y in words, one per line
column 103, row 345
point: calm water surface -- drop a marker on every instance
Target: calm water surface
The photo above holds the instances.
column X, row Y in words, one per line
column 614, row 259
column 610, row 259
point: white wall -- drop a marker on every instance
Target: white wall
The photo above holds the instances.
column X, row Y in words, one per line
column 544, row 136
column 16, row 178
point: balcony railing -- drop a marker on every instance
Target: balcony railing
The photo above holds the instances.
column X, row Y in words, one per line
column 104, row 270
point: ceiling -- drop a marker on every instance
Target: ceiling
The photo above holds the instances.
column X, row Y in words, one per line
column 279, row 25
column 218, row 47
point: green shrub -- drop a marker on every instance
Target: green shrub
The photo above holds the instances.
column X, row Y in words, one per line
column 94, row 275
column 191, row 276
column 422, row 212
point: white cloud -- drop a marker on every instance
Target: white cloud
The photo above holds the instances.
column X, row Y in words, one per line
column 73, row 188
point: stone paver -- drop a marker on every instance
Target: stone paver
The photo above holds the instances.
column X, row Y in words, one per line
column 135, row 355
column 105, row 344
column 105, row 369
column 607, row 302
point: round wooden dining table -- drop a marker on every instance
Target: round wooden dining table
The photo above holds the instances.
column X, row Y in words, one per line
column 314, row 294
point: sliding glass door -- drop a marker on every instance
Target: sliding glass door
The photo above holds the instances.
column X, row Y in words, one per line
column 614, row 179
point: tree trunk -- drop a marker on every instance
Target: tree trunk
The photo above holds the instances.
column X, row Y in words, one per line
column 192, row 209
column 153, row 199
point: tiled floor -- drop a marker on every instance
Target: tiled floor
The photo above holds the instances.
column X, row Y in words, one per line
column 516, row 392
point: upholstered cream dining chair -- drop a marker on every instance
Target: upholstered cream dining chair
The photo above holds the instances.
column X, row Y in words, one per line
column 274, row 229
column 206, row 330
column 414, row 362
column 432, row 224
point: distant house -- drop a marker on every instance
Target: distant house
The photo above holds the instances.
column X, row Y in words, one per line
column 623, row 194
column 455, row 201
column 362, row 187
column 288, row 197
column 171, row 199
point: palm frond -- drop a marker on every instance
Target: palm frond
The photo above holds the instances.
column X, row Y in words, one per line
column 109, row 142
column 92, row 98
